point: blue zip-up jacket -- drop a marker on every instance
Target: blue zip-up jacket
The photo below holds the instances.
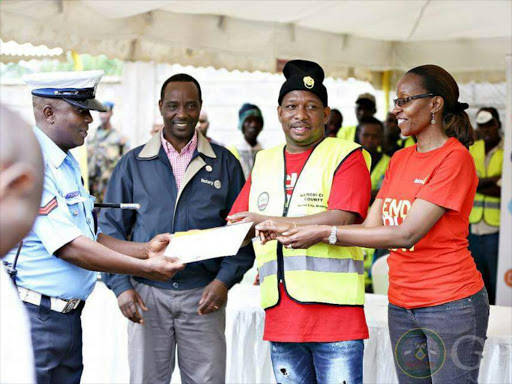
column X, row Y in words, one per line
column 210, row 186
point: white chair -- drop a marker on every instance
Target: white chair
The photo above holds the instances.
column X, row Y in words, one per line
column 380, row 279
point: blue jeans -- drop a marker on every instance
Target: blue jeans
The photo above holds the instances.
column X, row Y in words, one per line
column 310, row 363
column 440, row 344
column 57, row 343
column 484, row 249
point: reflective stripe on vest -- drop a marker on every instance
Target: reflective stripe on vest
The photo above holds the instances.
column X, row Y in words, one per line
column 486, row 208
column 322, row 273
column 321, row 264
column 267, row 269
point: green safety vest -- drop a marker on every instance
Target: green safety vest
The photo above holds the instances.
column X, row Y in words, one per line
column 322, row 273
column 378, row 173
column 486, row 207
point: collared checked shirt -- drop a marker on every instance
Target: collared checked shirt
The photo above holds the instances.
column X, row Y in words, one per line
column 179, row 160
column 65, row 213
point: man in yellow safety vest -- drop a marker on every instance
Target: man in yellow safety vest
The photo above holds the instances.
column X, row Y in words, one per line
column 371, row 137
column 313, row 298
column 485, row 216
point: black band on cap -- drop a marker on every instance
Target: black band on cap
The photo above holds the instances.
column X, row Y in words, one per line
column 303, row 75
column 68, row 93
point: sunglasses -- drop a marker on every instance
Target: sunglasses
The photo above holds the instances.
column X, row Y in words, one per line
column 400, row 102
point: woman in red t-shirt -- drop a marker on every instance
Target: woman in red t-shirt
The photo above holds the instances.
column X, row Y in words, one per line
column 439, row 309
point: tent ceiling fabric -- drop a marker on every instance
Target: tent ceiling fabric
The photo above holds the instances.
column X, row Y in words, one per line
column 349, row 38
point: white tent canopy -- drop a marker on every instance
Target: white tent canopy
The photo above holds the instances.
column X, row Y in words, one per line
column 349, row 38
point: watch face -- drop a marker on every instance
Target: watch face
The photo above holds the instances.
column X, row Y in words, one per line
column 332, row 236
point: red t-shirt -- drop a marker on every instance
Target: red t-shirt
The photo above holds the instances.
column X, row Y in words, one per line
column 290, row 321
column 439, row 268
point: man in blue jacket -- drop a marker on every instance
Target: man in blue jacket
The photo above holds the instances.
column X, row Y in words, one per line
column 182, row 182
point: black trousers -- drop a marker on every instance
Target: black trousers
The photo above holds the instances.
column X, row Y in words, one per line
column 57, row 343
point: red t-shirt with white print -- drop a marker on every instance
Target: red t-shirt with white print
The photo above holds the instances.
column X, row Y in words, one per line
column 439, row 268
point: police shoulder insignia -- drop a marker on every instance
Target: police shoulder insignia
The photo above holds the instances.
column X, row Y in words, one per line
column 50, row 206
column 309, row 82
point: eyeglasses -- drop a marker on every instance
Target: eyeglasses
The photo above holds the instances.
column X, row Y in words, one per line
column 404, row 100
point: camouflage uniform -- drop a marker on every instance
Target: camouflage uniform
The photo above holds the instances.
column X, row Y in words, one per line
column 104, row 151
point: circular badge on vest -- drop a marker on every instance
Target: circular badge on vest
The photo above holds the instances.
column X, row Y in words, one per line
column 217, row 184
column 308, row 82
column 209, row 168
column 263, row 201
column 417, row 359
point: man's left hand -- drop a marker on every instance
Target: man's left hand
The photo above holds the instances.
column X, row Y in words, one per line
column 215, row 296
column 156, row 247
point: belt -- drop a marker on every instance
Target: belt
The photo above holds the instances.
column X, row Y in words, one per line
column 57, row 305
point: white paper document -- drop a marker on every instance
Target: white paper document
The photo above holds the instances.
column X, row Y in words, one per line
column 207, row 243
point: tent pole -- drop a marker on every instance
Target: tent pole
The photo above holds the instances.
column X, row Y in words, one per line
column 77, row 61
column 386, row 87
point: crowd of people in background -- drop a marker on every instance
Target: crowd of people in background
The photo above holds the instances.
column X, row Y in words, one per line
column 411, row 188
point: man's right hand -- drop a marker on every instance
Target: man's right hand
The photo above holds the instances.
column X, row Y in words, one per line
column 128, row 302
column 162, row 268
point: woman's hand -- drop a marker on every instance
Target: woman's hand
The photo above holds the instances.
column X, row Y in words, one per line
column 246, row 217
column 304, row 236
column 271, row 229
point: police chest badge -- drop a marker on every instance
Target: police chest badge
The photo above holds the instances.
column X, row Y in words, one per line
column 263, row 201
column 308, row 82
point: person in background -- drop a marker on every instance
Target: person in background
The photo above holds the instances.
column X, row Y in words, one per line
column 390, row 142
column 21, row 185
column 438, row 306
column 58, row 261
column 250, row 124
column 485, row 216
column 155, row 128
column 313, row 298
column 104, row 150
column 182, row 182
column 365, row 107
column 370, row 137
column 334, row 123
column 202, row 126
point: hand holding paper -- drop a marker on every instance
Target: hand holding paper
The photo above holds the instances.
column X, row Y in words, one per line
column 205, row 244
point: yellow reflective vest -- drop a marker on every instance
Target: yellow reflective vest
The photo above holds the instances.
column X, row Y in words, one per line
column 322, row 273
column 407, row 142
column 486, row 207
column 379, row 171
column 376, row 176
column 234, row 151
column 347, row 133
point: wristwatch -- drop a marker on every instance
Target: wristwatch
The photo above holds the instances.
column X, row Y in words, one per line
column 333, row 236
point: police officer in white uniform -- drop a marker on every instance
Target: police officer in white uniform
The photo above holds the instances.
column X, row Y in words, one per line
column 56, row 263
